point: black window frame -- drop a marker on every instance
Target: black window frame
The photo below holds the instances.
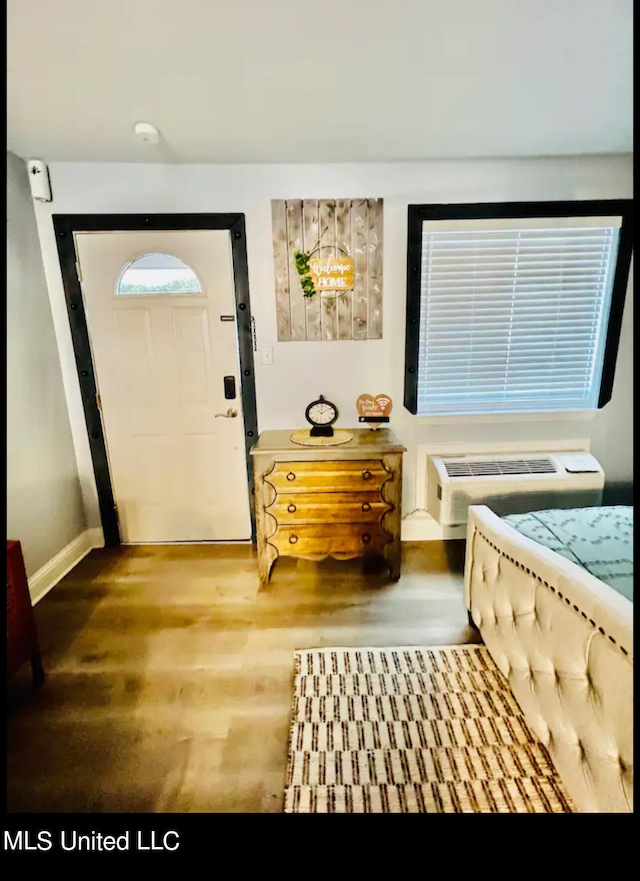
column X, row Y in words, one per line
column 509, row 210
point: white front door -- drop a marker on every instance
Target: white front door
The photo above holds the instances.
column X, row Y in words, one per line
column 154, row 302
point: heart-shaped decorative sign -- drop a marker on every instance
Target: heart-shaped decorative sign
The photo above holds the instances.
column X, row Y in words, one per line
column 367, row 405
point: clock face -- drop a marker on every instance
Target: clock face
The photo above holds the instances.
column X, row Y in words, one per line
column 322, row 412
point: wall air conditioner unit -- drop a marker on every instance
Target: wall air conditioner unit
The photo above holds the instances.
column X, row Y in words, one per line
column 511, row 483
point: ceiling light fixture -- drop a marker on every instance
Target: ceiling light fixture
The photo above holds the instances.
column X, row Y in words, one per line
column 147, row 132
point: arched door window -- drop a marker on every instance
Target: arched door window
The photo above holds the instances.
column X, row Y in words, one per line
column 157, row 274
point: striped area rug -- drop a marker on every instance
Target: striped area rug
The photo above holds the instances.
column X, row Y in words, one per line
column 404, row 730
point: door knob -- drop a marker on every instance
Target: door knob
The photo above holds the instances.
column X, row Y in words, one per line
column 230, row 414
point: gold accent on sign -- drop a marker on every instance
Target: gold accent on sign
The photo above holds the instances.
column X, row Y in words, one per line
column 333, row 274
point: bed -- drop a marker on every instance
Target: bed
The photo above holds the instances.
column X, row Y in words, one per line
column 563, row 636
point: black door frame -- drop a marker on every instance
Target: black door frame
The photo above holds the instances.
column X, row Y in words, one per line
column 65, row 225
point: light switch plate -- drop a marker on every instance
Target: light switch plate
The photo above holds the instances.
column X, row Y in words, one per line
column 267, row 355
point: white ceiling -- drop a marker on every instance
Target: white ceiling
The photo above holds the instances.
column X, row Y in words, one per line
column 318, row 80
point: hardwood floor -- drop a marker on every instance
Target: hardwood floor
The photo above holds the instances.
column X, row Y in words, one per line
column 169, row 672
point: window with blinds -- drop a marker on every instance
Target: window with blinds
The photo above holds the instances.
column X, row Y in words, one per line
column 513, row 313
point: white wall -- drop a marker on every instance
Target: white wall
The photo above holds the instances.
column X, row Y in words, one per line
column 44, row 504
column 343, row 370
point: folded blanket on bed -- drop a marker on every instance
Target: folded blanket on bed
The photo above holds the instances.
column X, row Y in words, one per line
column 598, row 539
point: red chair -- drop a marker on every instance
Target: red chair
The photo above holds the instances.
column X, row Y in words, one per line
column 22, row 636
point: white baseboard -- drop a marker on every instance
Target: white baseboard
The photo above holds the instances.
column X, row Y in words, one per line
column 422, row 527
column 50, row 574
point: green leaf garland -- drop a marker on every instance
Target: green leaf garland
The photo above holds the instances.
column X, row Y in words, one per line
column 301, row 259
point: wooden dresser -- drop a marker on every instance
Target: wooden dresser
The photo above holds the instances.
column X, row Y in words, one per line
column 336, row 501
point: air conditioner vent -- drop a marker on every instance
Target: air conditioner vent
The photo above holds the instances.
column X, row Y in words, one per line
column 499, row 466
column 511, row 483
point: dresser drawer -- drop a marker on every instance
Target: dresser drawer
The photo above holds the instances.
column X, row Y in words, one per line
column 356, row 507
column 323, row 539
column 365, row 475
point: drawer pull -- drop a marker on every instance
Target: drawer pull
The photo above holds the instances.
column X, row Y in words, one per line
column 291, row 508
column 293, row 539
column 291, row 476
column 366, row 474
column 366, row 538
column 366, row 506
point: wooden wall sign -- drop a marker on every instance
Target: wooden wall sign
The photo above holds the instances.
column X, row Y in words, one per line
column 375, row 409
column 343, row 238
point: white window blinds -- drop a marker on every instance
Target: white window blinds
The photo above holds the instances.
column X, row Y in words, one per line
column 513, row 314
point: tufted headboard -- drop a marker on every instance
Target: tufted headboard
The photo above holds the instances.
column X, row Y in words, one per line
column 564, row 640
